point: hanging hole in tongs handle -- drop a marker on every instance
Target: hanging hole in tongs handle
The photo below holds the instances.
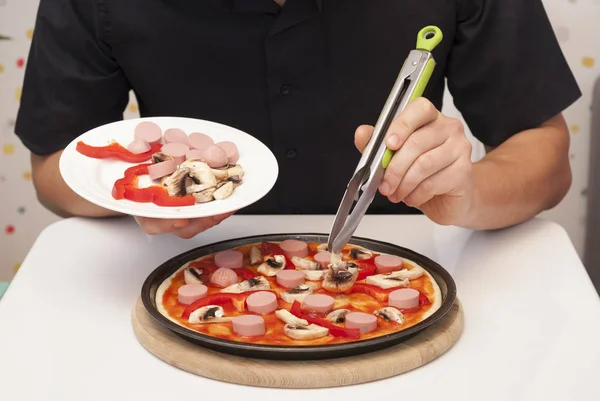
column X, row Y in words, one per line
column 428, row 38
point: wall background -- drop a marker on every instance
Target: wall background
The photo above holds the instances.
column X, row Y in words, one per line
column 22, row 218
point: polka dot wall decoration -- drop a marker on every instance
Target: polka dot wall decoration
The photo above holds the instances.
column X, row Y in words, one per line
column 9, row 229
column 20, row 62
column 16, row 267
column 18, row 94
column 133, row 108
column 1, row 68
column 27, row 176
column 29, row 34
column 21, row 210
column 588, row 62
column 575, row 128
column 8, row 149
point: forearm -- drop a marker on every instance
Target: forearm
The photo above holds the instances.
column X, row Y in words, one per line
column 55, row 195
column 526, row 175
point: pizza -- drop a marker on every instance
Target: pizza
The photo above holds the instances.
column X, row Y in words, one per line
column 182, row 169
column 296, row 293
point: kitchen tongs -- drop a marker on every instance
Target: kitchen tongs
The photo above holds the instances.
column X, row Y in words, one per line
column 363, row 186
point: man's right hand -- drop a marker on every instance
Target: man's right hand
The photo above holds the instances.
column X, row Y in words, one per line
column 183, row 228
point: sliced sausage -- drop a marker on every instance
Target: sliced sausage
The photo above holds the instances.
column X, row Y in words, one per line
column 262, row 302
column 231, row 150
column 200, row 141
column 290, row 278
column 214, row 156
column 248, row 325
column 138, row 146
column 224, row 277
column 294, row 247
column 148, row 131
column 230, row 259
column 320, row 303
column 175, row 135
column 324, row 258
column 404, row 298
column 362, row 321
column 388, row 263
column 159, row 170
column 194, row 154
column 188, row 293
column 176, row 150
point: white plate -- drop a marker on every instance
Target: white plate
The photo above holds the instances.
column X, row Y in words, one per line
column 93, row 179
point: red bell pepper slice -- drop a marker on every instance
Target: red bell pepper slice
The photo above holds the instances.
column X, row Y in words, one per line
column 380, row 294
column 367, row 268
column 126, row 188
column 207, row 269
column 115, row 150
column 244, row 273
column 220, row 298
column 334, row 330
column 269, row 248
column 238, row 300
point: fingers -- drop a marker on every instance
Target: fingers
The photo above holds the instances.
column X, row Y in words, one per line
column 415, row 115
column 184, row 228
column 416, row 152
column 428, row 164
column 362, row 136
column 160, row 226
column 444, row 182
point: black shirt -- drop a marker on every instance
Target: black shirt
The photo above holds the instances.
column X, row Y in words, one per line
column 300, row 78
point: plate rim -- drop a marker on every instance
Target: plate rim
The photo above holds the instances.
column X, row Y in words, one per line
column 274, row 351
column 188, row 212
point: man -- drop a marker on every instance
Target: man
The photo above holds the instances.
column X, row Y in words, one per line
column 304, row 76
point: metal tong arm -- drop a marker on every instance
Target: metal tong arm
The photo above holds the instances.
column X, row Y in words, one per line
column 410, row 83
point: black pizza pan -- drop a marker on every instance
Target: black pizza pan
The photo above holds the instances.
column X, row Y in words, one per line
column 309, row 352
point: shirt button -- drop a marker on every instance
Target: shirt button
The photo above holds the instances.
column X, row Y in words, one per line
column 285, row 90
column 291, row 154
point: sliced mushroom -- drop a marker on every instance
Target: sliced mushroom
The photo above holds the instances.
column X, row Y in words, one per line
column 359, row 253
column 305, row 264
column 208, row 314
column 255, row 256
column 192, row 275
column 221, row 173
column 159, row 157
column 176, row 183
column 412, row 274
column 272, row 266
column 339, row 278
column 322, row 247
column 390, row 314
column 314, row 275
column 235, row 170
column 289, row 318
column 388, row 280
column 338, row 315
column 297, row 293
column 252, row 284
column 223, row 191
column 205, row 195
column 310, row 332
column 195, row 188
column 200, row 172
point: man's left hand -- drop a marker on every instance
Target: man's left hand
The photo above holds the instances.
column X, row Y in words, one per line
column 431, row 168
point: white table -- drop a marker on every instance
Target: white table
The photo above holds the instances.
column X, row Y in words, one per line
column 532, row 316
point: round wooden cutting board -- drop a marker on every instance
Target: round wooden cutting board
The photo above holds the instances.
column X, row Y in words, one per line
column 413, row 353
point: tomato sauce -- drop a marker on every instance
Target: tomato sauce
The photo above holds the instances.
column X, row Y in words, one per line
column 274, row 327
